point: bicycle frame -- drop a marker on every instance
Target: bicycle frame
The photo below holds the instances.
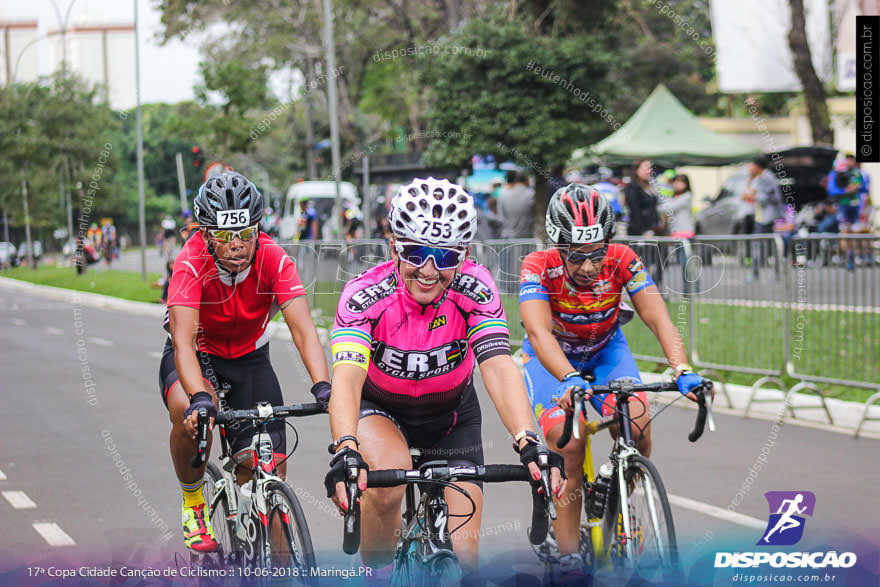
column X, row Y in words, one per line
column 430, row 533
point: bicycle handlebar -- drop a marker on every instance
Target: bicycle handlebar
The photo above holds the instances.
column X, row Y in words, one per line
column 445, row 473
column 578, row 394
column 259, row 413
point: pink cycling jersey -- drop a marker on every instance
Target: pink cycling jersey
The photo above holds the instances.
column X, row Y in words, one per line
column 419, row 359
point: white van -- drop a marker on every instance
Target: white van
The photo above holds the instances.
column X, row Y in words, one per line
column 323, row 194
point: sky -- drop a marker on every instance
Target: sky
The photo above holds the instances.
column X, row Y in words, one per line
column 168, row 72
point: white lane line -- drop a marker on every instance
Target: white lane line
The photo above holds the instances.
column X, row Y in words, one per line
column 717, row 512
column 154, row 354
column 19, row 500
column 53, row 534
column 2, row 476
column 18, row 322
column 100, row 341
column 52, row 330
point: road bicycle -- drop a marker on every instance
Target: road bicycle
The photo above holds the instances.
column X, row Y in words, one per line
column 260, row 525
column 424, row 554
column 627, row 521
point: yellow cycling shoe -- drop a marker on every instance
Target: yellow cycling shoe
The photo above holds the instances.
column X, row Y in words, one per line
column 198, row 534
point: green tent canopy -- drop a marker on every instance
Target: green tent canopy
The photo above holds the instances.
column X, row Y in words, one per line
column 663, row 130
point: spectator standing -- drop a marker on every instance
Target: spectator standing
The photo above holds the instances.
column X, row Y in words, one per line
column 490, row 225
column 679, row 218
column 516, row 204
column 308, row 221
column 169, row 237
column 763, row 191
column 642, row 200
column 644, row 217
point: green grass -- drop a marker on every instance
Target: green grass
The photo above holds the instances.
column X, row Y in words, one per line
column 120, row 284
column 834, row 344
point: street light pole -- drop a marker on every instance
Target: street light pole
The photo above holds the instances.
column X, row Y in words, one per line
column 142, row 227
column 330, row 52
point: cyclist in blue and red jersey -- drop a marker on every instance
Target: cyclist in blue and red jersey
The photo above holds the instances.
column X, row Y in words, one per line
column 408, row 334
column 227, row 284
column 570, row 302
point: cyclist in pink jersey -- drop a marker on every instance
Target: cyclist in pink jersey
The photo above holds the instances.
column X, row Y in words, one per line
column 228, row 282
column 407, row 335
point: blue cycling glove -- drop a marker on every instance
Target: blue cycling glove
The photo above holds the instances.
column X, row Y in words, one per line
column 571, row 380
column 687, row 381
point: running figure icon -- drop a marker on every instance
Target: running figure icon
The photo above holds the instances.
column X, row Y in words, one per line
column 786, row 523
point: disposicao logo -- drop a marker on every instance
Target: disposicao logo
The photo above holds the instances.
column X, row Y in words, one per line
column 787, row 511
column 785, row 528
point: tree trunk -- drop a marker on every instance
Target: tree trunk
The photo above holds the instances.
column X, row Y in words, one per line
column 814, row 91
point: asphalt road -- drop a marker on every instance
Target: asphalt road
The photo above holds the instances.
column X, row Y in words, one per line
column 79, row 392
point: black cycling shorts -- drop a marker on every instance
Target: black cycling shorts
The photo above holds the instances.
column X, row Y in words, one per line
column 252, row 380
column 455, row 437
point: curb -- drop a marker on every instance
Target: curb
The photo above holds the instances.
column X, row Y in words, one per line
column 846, row 414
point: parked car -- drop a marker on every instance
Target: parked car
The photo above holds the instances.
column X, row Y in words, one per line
column 23, row 250
column 8, row 256
column 801, row 171
column 323, row 195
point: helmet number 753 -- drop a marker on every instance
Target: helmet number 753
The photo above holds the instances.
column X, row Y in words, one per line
column 438, row 229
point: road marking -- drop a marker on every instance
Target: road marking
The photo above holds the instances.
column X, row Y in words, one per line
column 19, row 500
column 100, row 341
column 2, row 476
column 717, row 512
column 154, row 354
column 19, row 322
column 53, row 534
column 52, row 330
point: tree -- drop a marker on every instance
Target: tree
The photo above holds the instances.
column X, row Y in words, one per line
column 814, row 91
column 517, row 97
column 52, row 136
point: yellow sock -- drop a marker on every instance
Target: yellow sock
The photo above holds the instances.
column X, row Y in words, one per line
column 192, row 493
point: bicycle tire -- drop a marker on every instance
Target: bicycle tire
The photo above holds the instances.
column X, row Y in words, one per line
column 296, row 551
column 221, row 519
column 656, row 547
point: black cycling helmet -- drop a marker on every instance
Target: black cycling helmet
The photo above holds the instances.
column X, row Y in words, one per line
column 578, row 215
column 229, row 191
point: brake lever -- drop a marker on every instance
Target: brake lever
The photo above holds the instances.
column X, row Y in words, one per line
column 578, row 410
column 709, row 400
column 544, row 465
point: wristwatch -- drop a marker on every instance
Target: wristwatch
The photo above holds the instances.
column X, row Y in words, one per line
column 334, row 446
column 681, row 368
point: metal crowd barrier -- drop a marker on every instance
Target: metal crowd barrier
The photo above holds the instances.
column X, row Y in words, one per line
column 836, row 307
column 743, row 303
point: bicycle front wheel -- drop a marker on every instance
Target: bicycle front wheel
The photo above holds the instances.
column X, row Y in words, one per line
column 646, row 540
column 222, row 519
column 290, row 544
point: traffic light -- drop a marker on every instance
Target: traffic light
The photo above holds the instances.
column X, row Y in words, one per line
column 198, row 157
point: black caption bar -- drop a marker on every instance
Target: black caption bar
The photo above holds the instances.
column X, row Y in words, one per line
column 867, row 115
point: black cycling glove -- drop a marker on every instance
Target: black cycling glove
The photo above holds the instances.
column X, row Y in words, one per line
column 201, row 399
column 345, row 458
column 321, row 391
column 532, row 451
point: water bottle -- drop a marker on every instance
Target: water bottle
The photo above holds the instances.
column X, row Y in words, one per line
column 244, row 504
column 597, row 492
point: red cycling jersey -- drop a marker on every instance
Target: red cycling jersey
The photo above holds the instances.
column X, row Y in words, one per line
column 583, row 320
column 233, row 316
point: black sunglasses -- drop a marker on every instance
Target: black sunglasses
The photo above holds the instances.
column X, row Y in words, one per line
column 578, row 258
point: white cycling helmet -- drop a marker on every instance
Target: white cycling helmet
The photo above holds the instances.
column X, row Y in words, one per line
column 434, row 212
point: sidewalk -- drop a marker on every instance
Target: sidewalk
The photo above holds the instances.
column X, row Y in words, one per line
column 846, row 415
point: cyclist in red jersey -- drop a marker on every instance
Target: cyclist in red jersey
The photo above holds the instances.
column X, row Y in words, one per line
column 570, row 298
column 227, row 284
column 407, row 336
